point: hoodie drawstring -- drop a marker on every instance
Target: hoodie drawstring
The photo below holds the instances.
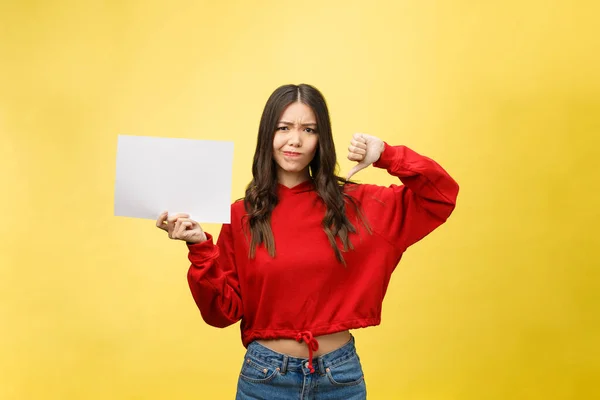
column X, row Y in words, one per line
column 313, row 345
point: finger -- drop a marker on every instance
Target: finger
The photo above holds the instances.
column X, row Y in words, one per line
column 175, row 232
column 357, row 149
column 355, row 157
column 185, row 230
column 174, row 217
column 190, row 223
column 358, row 144
column 160, row 222
column 170, row 226
column 180, row 228
column 354, row 170
column 360, row 137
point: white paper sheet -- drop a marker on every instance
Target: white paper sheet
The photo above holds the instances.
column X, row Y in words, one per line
column 176, row 175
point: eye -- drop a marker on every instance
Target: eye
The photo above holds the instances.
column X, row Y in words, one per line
column 310, row 130
column 282, row 128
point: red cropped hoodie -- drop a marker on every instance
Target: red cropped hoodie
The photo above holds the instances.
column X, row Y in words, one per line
column 304, row 292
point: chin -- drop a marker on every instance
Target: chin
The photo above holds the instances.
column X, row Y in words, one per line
column 294, row 170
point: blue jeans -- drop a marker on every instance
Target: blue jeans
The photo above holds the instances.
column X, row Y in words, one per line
column 268, row 375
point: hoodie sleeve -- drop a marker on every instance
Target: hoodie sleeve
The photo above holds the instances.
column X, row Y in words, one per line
column 408, row 212
column 213, row 280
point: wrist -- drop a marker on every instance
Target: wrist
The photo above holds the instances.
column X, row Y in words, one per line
column 382, row 149
column 198, row 240
column 387, row 156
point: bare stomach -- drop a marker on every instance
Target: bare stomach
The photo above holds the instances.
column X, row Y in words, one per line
column 290, row 347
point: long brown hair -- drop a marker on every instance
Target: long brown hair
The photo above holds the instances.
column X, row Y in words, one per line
column 261, row 194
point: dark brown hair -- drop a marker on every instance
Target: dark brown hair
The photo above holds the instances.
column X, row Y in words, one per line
column 261, row 193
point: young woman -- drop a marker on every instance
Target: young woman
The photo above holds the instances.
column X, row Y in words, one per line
column 308, row 255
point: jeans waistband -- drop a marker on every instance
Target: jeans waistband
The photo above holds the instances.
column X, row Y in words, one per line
column 289, row 363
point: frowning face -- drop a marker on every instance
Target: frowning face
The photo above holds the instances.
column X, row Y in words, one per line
column 295, row 142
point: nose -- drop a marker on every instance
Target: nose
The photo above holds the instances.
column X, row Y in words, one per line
column 295, row 139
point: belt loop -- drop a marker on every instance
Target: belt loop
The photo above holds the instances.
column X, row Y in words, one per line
column 321, row 365
column 284, row 365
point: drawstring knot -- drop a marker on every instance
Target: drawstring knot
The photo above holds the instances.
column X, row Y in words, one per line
column 313, row 345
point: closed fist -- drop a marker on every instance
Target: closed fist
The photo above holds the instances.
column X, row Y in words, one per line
column 365, row 149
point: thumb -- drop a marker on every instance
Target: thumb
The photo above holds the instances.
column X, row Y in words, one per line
column 355, row 169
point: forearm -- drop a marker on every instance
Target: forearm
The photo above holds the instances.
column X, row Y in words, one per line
column 215, row 289
column 430, row 184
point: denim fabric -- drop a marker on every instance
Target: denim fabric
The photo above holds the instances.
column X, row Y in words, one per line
column 267, row 375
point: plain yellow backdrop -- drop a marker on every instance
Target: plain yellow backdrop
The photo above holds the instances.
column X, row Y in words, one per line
column 502, row 302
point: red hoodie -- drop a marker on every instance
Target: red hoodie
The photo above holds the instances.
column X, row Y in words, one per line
column 304, row 292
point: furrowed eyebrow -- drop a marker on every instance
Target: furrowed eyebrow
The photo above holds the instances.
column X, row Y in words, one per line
column 291, row 123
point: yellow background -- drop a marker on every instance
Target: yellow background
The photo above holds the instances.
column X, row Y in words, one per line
column 502, row 302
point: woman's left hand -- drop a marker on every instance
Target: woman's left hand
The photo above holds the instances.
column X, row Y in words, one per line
column 365, row 149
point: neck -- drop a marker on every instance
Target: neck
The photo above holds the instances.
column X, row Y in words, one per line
column 291, row 179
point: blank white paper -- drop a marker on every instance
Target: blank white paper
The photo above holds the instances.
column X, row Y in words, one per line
column 175, row 175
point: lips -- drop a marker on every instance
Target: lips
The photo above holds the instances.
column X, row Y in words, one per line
column 291, row 154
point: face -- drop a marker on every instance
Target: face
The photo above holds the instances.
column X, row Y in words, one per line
column 295, row 141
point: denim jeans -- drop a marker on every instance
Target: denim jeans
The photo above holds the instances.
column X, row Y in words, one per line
column 267, row 375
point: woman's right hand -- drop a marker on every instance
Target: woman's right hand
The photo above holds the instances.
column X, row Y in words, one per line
column 181, row 227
